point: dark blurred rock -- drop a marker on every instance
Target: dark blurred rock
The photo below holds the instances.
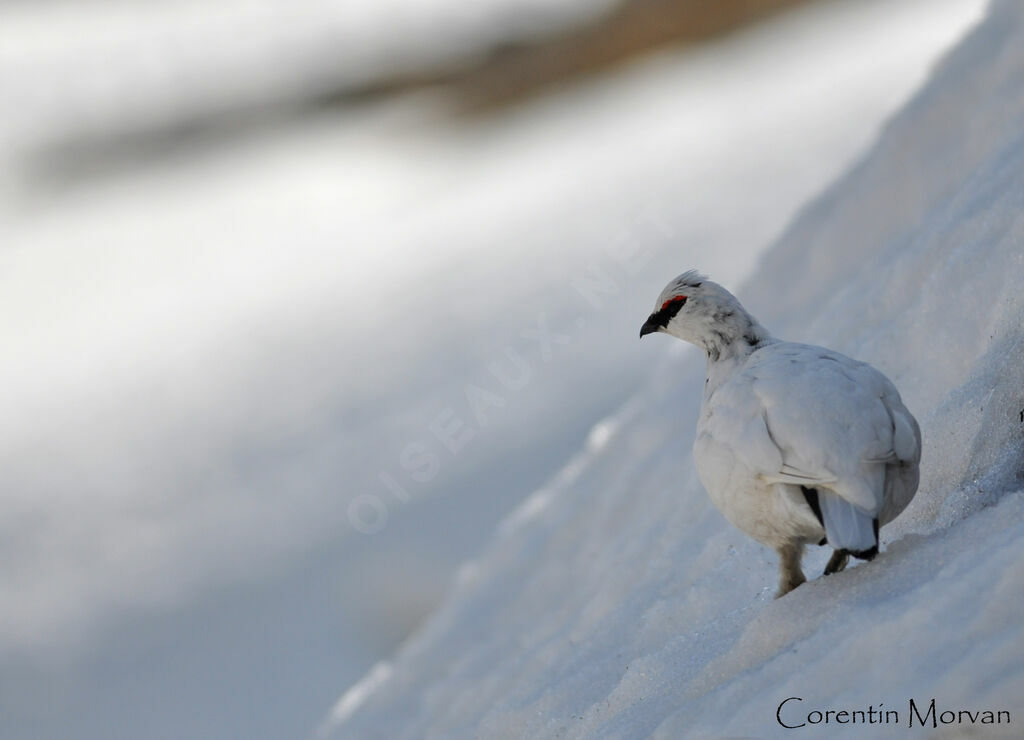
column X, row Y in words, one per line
column 519, row 70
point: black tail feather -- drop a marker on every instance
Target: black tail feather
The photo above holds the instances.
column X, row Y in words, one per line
column 870, row 553
column 811, row 496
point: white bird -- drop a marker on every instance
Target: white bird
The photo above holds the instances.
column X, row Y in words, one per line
column 796, row 444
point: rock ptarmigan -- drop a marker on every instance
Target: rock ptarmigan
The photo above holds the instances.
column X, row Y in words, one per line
column 796, row 444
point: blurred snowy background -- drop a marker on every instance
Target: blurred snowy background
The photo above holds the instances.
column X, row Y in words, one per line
column 299, row 300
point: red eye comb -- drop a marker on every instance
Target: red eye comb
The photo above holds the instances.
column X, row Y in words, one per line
column 670, row 301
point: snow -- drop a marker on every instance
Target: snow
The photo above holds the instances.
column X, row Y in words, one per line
column 202, row 392
column 616, row 602
column 211, row 351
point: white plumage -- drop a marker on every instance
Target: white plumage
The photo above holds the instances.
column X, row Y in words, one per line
column 795, row 444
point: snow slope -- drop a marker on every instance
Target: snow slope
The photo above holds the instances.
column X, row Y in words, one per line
column 189, row 408
column 616, row 602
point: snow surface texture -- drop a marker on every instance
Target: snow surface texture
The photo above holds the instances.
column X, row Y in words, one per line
column 617, row 602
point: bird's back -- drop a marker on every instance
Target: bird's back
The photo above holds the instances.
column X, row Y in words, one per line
column 803, row 414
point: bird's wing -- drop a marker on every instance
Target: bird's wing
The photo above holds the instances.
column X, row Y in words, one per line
column 826, row 417
column 789, row 474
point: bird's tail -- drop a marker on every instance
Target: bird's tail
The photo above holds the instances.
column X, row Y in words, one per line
column 848, row 527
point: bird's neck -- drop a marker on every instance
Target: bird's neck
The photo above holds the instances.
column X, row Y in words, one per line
column 731, row 334
column 729, row 346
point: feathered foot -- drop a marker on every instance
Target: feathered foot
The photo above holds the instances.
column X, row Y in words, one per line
column 837, row 562
column 790, row 574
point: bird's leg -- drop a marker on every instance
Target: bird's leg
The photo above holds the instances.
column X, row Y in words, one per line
column 837, row 562
column 790, row 575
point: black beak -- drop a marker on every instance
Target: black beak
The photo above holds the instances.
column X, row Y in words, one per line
column 652, row 325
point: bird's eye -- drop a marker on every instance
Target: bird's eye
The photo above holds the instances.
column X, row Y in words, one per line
column 680, row 299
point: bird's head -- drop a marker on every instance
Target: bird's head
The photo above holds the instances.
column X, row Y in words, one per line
column 702, row 312
column 677, row 306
